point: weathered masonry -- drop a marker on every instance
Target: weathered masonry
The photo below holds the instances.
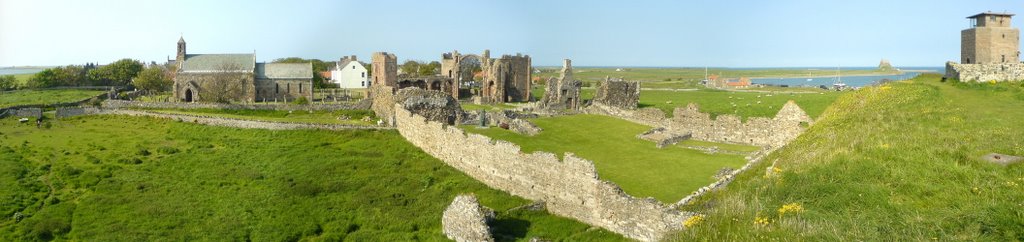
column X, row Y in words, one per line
column 989, row 50
column 563, row 92
column 505, row 79
column 569, row 187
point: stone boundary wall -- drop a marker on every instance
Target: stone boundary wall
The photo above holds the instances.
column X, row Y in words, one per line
column 725, row 180
column 569, row 187
column 196, row 105
column 787, row 124
column 985, row 72
column 382, row 100
column 218, row 121
column 465, row 220
column 65, row 112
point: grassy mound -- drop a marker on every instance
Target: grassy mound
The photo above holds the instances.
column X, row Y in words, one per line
column 898, row 162
column 640, row 168
column 119, row 178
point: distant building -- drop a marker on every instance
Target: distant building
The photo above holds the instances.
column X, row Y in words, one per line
column 237, row 77
column 350, row 73
column 989, row 50
column 990, row 40
column 743, row 82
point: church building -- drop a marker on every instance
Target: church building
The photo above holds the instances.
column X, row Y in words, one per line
column 238, row 78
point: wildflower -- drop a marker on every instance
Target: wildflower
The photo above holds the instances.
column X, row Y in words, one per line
column 790, row 208
column 693, row 220
column 885, row 146
column 993, row 82
column 761, row 221
column 886, row 87
column 976, row 190
column 1011, row 184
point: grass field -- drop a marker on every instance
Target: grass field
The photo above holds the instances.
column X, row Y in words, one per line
column 354, row 117
column 743, row 104
column 23, row 97
column 119, row 178
column 641, row 169
column 894, row 163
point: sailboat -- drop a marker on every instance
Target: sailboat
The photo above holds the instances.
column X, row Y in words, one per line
column 838, row 84
column 809, row 76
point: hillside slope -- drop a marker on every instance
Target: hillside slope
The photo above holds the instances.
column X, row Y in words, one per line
column 898, row 162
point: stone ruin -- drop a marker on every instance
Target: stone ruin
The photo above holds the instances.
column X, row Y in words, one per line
column 465, row 220
column 568, row 187
column 618, row 93
column 434, row 105
column 562, row 93
column 663, row 137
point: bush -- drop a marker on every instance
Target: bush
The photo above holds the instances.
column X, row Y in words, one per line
column 301, row 101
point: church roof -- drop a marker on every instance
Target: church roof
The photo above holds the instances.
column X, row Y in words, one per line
column 218, row 62
column 284, row 70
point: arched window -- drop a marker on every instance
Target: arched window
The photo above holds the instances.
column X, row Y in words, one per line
column 288, row 88
column 300, row 87
column 277, row 88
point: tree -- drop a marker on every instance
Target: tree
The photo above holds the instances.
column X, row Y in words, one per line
column 410, row 67
column 8, row 83
column 153, row 79
column 226, row 85
column 118, row 73
column 430, row 69
column 58, row 76
column 369, row 69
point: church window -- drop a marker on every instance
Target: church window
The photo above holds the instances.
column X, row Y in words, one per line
column 277, row 87
column 288, row 88
column 300, row 87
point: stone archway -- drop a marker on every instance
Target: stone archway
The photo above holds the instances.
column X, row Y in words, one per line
column 189, row 95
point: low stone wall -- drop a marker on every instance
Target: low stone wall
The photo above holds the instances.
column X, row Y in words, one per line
column 985, row 72
column 465, row 220
column 28, row 112
column 229, row 122
column 787, row 124
column 382, row 100
column 197, row 105
column 64, row 112
column 569, row 187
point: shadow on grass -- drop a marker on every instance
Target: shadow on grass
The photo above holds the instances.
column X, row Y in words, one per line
column 509, row 229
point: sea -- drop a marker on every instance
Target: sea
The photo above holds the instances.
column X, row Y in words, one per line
column 851, row 81
column 18, row 70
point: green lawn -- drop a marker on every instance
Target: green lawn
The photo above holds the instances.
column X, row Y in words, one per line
column 747, row 104
column 636, row 165
column 298, row 116
column 121, row 178
column 895, row 163
column 468, row 106
column 24, row 97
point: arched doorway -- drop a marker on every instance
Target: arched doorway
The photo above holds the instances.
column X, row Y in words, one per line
column 188, row 95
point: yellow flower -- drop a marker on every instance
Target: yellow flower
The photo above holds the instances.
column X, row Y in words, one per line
column 761, row 221
column 693, row 220
column 790, row 208
column 1011, row 184
column 992, row 82
column 886, row 87
column 885, row 146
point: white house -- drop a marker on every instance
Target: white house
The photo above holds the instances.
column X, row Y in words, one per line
column 350, row 73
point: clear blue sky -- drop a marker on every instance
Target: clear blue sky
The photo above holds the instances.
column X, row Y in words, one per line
column 785, row 33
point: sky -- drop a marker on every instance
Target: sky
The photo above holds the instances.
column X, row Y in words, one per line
column 778, row 33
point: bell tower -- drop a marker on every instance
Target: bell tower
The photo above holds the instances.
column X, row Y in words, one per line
column 181, row 52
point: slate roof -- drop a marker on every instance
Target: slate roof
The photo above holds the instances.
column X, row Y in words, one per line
column 284, row 70
column 217, row 62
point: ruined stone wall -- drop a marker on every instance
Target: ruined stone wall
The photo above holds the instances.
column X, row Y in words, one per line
column 382, row 100
column 508, row 79
column 283, row 90
column 787, row 124
column 619, row 94
column 29, row 112
column 569, row 187
column 465, row 220
column 985, row 72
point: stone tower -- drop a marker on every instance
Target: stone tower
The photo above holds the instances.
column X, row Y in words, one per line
column 385, row 69
column 180, row 59
column 991, row 40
